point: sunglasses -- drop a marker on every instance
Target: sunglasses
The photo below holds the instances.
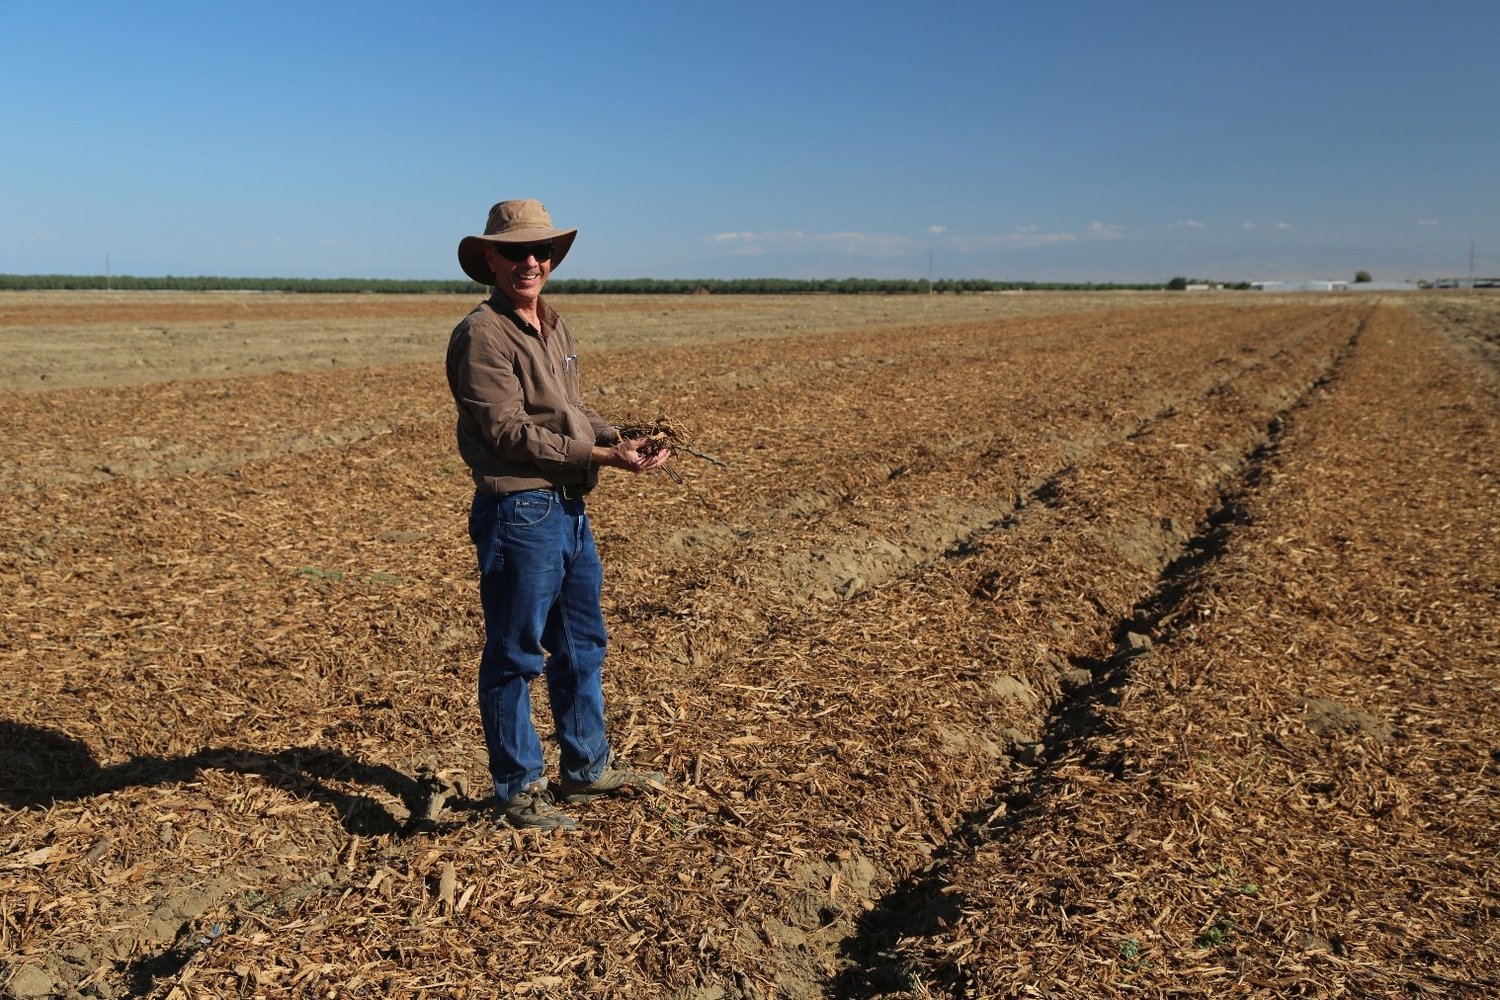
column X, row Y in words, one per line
column 517, row 252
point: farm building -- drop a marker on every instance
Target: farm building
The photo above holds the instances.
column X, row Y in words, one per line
column 1300, row 286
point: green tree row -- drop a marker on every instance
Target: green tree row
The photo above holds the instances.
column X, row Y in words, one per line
column 561, row 286
column 796, row 286
column 1179, row 284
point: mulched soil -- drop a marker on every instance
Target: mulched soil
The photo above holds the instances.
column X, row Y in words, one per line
column 1292, row 793
column 1087, row 652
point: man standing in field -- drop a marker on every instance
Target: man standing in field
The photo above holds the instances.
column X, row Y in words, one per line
column 535, row 450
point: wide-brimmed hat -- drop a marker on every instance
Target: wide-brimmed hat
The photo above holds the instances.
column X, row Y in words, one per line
column 522, row 220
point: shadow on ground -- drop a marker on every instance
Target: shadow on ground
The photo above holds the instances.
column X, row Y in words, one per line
column 40, row 767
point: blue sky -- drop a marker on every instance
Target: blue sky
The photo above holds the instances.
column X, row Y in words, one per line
column 1102, row 141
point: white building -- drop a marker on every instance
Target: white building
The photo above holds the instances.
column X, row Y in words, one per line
column 1300, row 286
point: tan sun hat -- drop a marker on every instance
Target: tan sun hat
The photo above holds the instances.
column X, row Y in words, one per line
column 522, row 220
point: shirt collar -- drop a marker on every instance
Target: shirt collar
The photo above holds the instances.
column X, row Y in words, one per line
column 544, row 311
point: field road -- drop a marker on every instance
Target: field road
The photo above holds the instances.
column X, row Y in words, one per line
column 1005, row 645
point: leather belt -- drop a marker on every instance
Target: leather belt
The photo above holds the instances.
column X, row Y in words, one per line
column 572, row 491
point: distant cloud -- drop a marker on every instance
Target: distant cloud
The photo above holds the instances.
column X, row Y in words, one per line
column 1187, row 224
column 1022, row 236
column 795, row 240
column 1248, row 225
column 1427, row 222
column 876, row 245
column 870, row 243
column 1282, row 225
column 1274, row 225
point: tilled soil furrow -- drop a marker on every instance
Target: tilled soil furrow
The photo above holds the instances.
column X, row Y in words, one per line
column 1095, row 662
column 1273, row 803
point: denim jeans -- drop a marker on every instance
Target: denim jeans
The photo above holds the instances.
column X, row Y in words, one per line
column 540, row 581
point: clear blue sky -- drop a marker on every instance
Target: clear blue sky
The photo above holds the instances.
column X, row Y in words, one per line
column 1082, row 141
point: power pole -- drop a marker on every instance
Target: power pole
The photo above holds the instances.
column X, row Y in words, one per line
column 106, row 272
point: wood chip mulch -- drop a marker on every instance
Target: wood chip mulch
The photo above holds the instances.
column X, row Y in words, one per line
column 1088, row 653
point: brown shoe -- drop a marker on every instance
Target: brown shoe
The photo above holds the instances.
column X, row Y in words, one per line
column 615, row 778
column 531, row 809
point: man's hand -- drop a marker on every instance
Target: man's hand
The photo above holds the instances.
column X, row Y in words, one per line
column 625, row 454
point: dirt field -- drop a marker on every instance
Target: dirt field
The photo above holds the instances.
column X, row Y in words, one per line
column 1023, row 645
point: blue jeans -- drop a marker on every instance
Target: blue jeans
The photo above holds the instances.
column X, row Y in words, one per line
column 540, row 582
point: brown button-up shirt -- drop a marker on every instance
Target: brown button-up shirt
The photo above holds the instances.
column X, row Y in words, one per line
column 522, row 424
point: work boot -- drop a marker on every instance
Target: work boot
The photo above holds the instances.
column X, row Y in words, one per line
column 531, row 809
column 613, row 779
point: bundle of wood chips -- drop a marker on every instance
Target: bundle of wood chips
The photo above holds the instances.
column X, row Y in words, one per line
column 660, row 434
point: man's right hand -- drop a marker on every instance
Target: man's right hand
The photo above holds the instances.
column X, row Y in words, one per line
column 625, row 454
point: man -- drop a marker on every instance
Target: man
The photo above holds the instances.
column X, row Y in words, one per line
column 534, row 450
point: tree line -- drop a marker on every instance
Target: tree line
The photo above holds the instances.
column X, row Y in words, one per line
column 557, row 286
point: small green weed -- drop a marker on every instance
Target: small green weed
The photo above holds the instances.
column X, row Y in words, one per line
column 1220, row 931
column 1132, row 955
column 675, row 824
column 1228, row 877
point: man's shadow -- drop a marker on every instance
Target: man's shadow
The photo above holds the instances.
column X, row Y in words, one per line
column 40, row 767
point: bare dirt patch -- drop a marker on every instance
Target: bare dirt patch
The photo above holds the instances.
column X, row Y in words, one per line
column 1097, row 646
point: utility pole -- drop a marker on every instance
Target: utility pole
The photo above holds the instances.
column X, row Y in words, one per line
column 929, row 272
column 1471, row 265
column 106, row 271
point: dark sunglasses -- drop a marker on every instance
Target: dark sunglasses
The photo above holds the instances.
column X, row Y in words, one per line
column 517, row 252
